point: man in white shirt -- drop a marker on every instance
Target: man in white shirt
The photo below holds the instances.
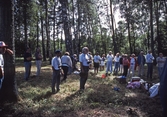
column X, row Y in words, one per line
column 84, row 65
column 109, row 63
column 56, row 67
column 116, row 63
column 149, row 61
column 66, row 64
column 160, row 62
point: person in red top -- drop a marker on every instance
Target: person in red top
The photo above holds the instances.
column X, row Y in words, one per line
column 125, row 64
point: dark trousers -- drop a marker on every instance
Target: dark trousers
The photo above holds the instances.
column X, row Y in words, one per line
column 84, row 77
column 163, row 98
column 55, row 80
column 65, row 70
column 163, row 89
column 27, row 70
column 149, row 70
column 125, row 70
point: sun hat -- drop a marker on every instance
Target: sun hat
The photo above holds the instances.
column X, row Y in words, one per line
column 2, row 44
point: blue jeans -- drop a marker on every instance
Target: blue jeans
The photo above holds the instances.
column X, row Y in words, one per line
column 38, row 65
column 149, row 70
column 116, row 66
column 27, row 70
column 109, row 66
column 160, row 71
column 55, row 80
column 1, row 81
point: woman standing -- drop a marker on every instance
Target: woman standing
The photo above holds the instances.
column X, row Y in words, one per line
column 38, row 60
column 125, row 65
column 132, row 65
column 102, row 62
column 66, row 64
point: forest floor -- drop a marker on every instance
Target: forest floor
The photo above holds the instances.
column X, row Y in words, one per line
column 98, row 99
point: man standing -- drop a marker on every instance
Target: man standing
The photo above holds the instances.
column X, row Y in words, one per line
column 84, row 65
column 27, row 63
column 160, row 62
column 116, row 63
column 141, row 61
column 56, row 67
column 109, row 63
column 149, row 61
column 3, row 49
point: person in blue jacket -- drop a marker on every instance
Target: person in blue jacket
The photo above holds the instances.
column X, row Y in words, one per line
column 163, row 89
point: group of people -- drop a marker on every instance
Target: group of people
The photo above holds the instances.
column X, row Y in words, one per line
column 127, row 65
column 27, row 62
column 122, row 63
column 62, row 64
column 131, row 64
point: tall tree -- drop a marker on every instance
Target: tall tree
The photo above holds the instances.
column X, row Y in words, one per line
column 66, row 25
column 9, row 88
column 151, row 26
column 47, row 28
column 25, row 9
column 113, row 29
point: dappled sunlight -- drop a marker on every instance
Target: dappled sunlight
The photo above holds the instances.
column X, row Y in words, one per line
column 98, row 99
column 130, row 94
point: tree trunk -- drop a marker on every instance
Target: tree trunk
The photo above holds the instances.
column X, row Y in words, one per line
column 54, row 24
column 37, row 32
column 66, row 27
column 43, row 40
column 9, row 88
column 25, row 23
column 112, row 21
column 47, row 28
column 78, row 27
column 151, row 25
column 158, row 38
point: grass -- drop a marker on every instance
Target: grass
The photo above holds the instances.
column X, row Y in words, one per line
column 98, row 100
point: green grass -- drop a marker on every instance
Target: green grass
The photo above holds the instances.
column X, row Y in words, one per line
column 98, row 100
